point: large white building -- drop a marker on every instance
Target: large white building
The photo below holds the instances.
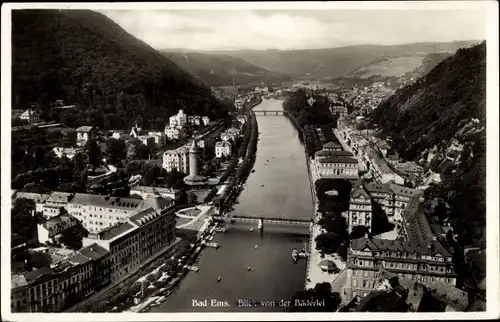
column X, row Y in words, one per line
column 97, row 212
column 31, row 116
column 174, row 133
column 83, row 134
column 205, row 120
column 136, row 239
column 360, row 209
column 337, row 167
column 178, row 158
column 67, row 152
column 194, row 119
column 230, row 133
column 222, row 148
column 178, row 120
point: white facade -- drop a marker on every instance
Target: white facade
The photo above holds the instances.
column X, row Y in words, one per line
column 174, row 133
column 180, row 119
column 222, row 148
column 31, row 116
column 194, row 119
column 178, row 158
column 68, row 152
column 338, row 167
column 83, row 134
column 116, row 135
column 205, row 120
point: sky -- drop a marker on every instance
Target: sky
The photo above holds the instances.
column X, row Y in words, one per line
column 296, row 29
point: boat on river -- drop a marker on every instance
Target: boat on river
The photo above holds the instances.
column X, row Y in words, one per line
column 260, row 225
column 295, row 255
column 218, row 279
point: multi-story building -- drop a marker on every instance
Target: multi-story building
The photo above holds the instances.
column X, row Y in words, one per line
column 178, row 120
column 222, row 148
column 97, row 212
column 84, row 134
column 31, row 116
column 141, row 236
column 51, row 228
column 410, row 168
column 337, row 167
column 321, row 154
column 425, row 263
column 38, row 198
column 342, row 110
column 194, row 119
column 205, row 120
column 64, row 283
column 332, row 146
column 149, row 192
column 174, row 133
column 159, row 138
column 230, row 133
column 178, row 158
column 360, row 209
column 381, row 171
column 67, row 152
column 55, row 202
column 241, row 119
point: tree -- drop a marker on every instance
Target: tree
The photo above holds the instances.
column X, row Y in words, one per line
column 116, row 150
column 94, row 153
column 329, row 243
column 358, row 232
column 23, row 222
column 79, row 162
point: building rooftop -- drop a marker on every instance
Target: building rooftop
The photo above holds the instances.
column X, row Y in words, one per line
column 35, row 274
column 113, row 232
column 360, row 192
column 416, row 224
column 64, row 219
column 144, row 217
column 377, row 187
column 399, row 246
column 381, row 163
column 332, row 145
column 18, row 281
column 222, row 144
column 337, row 159
column 79, row 258
column 179, row 150
column 94, row 251
column 36, row 197
column 108, row 202
column 326, row 153
column 84, row 129
column 404, row 191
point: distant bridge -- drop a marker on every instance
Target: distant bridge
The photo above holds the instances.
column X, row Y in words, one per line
column 256, row 219
column 269, row 112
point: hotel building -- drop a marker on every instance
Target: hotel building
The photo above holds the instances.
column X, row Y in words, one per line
column 178, row 158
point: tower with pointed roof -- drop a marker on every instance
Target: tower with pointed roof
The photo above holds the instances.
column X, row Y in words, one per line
column 193, row 159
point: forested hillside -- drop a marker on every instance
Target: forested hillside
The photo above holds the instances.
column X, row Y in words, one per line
column 335, row 62
column 218, row 70
column 440, row 121
column 86, row 59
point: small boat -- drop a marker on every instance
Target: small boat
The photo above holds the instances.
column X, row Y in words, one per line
column 168, row 293
column 218, row 279
column 262, row 185
column 253, row 170
column 261, row 225
column 251, row 229
column 249, row 268
column 255, row 247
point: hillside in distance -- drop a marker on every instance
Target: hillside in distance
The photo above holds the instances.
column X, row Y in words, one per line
column 335, row 62
column 218, row 70
column 86, row 59
column 440, row 122
column 414, row 66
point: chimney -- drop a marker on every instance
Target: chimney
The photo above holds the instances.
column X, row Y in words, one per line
column 367, row 235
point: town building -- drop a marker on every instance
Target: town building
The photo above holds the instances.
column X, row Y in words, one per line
column 38, row 198
column 132, row 242
column 66, row 152
column 178, row 120
column 194, row 119
column 337, row 167
column 84, row 134
column 230, row 133
column 321, row 154
column 96, row 212
column 116, row 135
column 174, row 133
column 241, row 119
column 149, row 192
column 381, row 171
column 55, row 202
column 222, row 148
column 341, row 110
column 424, row 263
column 194, row 178
column 409, row 168
column 332, row 146
column 178, row 158
column 157, row 139
column 66, row 282
column 360, row 209
column 205, row 120
column 31, row 116
column 53, row 227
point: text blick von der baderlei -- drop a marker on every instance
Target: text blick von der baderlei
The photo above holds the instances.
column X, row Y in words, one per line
column 255, row 304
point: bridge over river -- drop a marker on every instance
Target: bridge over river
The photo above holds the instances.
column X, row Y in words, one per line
column 237, row 217
column 269, row 112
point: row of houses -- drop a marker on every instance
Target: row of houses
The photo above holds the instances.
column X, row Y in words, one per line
column 106, row 257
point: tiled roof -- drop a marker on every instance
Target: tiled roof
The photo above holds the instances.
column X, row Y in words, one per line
column 377, row 187
column 381, row 163
column 399, row 245
column 416, row 224
column 331, row 145
column 150, row 189
column 79, row 258
column 108, row 202
column 144, row 217
column 404, row 191
column 94, row 251
column 326, row 153
column 115, row 231
column 222, row 144
column 338, row 159
column 34, row 275
column 36, row 197
column 18, row 281
column 360, row 192
column 64, row 219
column 84, row 129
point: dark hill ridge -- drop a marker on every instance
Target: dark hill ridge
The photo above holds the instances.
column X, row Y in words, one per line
column 335, row 62
column 85, row 58
column 217, row 70
column 440, row 121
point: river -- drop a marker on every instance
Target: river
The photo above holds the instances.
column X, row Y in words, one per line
column 279, row 187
